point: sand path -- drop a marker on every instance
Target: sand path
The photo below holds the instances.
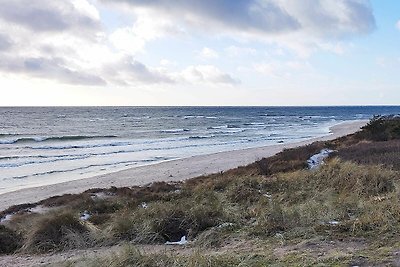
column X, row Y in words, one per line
column 174, row 170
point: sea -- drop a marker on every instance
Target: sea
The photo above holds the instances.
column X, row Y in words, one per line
column 48, row 145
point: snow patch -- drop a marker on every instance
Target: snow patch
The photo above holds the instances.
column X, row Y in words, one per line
column 317, row 160
column 183, row 241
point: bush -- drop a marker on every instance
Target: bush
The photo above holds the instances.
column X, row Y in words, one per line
column 168, row 221
column 57, row 232
column 10, row 241
column 375, row 153
column 289, row 159
column 381, row 128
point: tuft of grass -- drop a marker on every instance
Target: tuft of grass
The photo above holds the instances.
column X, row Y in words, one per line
column 168, row 221
column 56, row 232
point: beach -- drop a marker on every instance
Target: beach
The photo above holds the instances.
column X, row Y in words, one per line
column 174, row 170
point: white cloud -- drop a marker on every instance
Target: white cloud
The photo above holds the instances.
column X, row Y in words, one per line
column 206, row 74
column 63, row 41
column 125, row 39
column 147, row 27
column 167, row 63
column 235, row 51
column 87, row 8
column 208, row 53
column 282, row 69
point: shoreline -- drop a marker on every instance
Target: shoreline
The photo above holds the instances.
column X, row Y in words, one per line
column 174, row 170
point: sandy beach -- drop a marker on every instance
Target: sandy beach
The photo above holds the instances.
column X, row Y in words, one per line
column 174, row 170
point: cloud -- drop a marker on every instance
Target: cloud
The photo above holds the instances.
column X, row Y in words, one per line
column 282, row 69
column 302, row 27
column 398, row 25
column 208, row 53
column 269, row 17
column 127, row 71
column 206, row 74
column 243, row 15
column 49, row 41
column 147, row 27
column 5, row 42
column 49, row 68
column 52, row 16
column 235, row 51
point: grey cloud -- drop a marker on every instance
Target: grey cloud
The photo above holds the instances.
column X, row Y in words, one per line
column 48, row 68
column 127, row 70
column 5, row 42
column 225, row 78
column 320, row 17
column 45, row 16
column 333, row 19
column 247, row 15
column 207, row 74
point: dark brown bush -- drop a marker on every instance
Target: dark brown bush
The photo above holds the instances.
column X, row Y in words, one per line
column 386, row 153
column 289, row 159
column 10, row 241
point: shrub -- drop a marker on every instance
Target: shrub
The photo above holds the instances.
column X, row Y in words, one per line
column 168, row 221
column 57, row 232
column 375, row 153
column 289, row 159
column 10, row 241
column 381, row 128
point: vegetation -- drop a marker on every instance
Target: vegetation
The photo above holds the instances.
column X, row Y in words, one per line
column 274, row 211
column 9, row 240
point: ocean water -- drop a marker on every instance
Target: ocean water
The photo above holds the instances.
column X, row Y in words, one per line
column 54, row 144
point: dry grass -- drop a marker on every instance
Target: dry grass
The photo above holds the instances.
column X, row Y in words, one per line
column 131, row 256
column 56, row 232
column 168, row 221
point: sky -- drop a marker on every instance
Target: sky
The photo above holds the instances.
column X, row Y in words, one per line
column 199, row 52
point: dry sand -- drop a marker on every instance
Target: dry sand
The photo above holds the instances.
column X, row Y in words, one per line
column 174, row 170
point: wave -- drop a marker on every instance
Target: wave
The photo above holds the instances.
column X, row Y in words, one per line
column 79, row 146
column 201, row 136
column 7, row 135
column 126, row 163
column 230, row 132
column 20, row 164
column 216, row 127
column 193, row 117
column 254, row 124
column 175, row 130
column 54, row 138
